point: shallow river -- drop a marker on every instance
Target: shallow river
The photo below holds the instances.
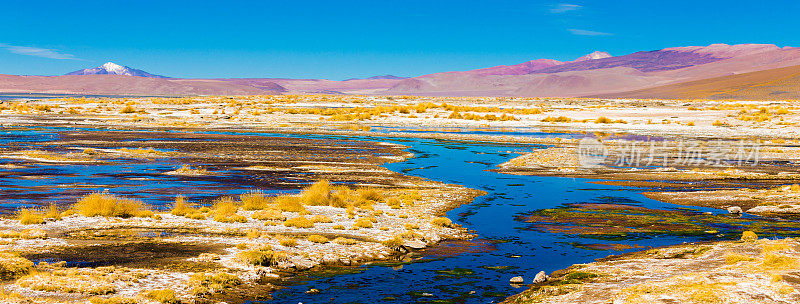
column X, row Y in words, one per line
column 453, row 272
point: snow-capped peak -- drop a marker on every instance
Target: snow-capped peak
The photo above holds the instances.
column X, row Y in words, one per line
column 113, row 68
column 594, row 55
column 110, row 68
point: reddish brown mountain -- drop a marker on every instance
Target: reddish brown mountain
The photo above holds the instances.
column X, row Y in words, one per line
column 772, row 84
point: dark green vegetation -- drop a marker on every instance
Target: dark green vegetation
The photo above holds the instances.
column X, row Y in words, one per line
column 625, row 221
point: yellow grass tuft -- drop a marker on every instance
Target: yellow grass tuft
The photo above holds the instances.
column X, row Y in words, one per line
column 299, row 222
column 12, row 265
column 749, row 236
column 166, row 296
column 181, row 208
column 29, row 217
column 442, row 222
column 225, row 209
column 104, row 204
column 269, row 215
column 316, row 238
column 344, row 241
column 258, row 257
column 255, row 200
column 363, row 223
column 288, row 242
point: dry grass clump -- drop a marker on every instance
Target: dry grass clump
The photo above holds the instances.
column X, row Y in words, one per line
column 394, row 203
column 321, row 219
column 749, row 236
column 288, row 241
column 225, row 209
column 181, row 208
column 33, row 234
column 269, row 215
column 557, row 119
column 779, row 262
column 74, row 280
column 289, row 204
column 344, row 241
column 12, row 265
column 318, row 194
column 393, row 242
column 29, row 217
column 259, row 257
column 363, row 223
column 212, row 283
column 734, row 258
column 442, row 222
column 316, row 238
column 9, row 234
column 187, row 170
column 166, row 296
column 142, row 151
column 113, row 300
column 255, row 200
column 128, row 110
column 299, row 222
column 104, row 204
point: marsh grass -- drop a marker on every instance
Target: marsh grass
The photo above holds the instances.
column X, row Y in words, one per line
column 316, row 238
column 225, row 211
column 181, row 208
column 12, row 265
column 442, row 222
column 362, row 223
column 255, row 200
column 258, row 257
column 29, row 217
column 104, row 204
column 269, row 215
column 166, row 296
column 288, row 241
column 189, row 171
column 212, row 283
column 299, row 222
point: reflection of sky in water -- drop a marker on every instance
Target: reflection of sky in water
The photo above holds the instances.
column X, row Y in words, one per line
column 518, row 251
column 505, row 247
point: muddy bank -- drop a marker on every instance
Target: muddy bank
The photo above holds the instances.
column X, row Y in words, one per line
column 747, row 271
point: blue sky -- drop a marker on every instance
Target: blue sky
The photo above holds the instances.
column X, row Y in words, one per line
column 344, row 39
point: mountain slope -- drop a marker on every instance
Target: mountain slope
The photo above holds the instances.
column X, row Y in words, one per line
column 128, row 85
column 773, row 84
column 606, row 75
column 110, row 68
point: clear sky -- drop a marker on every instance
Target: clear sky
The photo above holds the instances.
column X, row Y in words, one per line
column 344, row 39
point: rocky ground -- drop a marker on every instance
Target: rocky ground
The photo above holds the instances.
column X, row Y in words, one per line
column 746, row 271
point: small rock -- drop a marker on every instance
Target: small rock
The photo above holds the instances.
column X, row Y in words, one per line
column 516, row 280
column 735, row 210
column 208, row 257
column 414, row 244
column 540, row 277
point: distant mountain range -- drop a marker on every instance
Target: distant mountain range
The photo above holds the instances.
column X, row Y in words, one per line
column 751, row 71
